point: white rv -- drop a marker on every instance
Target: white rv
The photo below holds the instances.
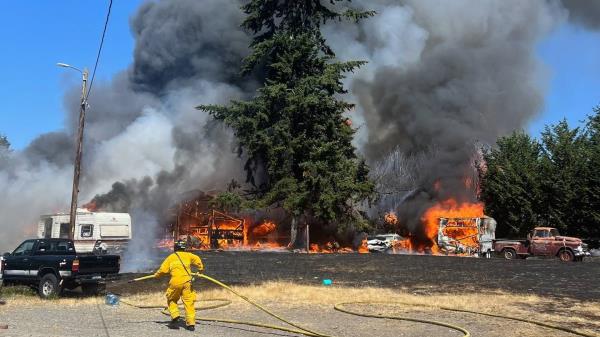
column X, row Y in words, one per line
column 472, row 236
column 93, row 230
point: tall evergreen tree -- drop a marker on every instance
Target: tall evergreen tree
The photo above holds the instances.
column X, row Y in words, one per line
column 293, row 132
column 591, row 221
column 510, row 184
column 553, row 182
column 563, row 168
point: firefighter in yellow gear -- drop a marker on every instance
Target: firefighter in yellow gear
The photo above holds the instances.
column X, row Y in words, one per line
column 178, row 265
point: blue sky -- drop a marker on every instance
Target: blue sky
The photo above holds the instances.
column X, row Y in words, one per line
column 35, row 37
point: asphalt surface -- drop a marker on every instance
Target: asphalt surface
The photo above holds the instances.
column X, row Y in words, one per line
column 104, row 321
column 416, row 273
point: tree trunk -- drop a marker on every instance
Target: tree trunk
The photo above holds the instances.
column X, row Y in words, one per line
column 293, row 232
column 307, row 237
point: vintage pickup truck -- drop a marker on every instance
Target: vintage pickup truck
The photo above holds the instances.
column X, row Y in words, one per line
column 50, row 265
column 543, row 241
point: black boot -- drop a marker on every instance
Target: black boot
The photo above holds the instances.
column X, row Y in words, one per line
column 190, row 327
column 174, row 323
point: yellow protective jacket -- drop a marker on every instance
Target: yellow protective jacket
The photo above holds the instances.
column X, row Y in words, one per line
column 172, row 265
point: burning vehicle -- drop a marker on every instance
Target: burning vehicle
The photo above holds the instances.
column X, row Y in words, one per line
column 382, row 243
column 448, row 227
column 470, row 236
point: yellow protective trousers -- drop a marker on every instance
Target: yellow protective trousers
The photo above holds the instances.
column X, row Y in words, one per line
column 187, row 295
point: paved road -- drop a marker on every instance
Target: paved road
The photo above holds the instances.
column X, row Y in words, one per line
column 103, row 321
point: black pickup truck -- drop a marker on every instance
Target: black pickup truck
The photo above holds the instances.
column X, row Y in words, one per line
column 51, row 265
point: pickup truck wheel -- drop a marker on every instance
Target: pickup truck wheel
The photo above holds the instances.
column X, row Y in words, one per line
column 509, row 254
column 566, row 255
column 49, row 286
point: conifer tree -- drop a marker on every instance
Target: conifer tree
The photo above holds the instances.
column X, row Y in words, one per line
column 294, row 134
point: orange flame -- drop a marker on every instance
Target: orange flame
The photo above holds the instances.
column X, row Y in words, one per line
column 265, row 228
column 363, row 248
column 390, row 218
column 447, row 209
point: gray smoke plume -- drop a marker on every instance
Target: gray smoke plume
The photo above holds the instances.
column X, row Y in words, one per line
column 143, row 135
column 443, row 76
column 584, row 12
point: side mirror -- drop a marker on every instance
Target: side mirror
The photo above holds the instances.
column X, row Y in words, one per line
column 6, row 254
column 529, row 236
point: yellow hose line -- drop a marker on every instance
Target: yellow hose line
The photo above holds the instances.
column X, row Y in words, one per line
column 143, row 278
column 224, row 286
column 225, row 302
column 545, row 325
column 339, row 307
column 260, row 325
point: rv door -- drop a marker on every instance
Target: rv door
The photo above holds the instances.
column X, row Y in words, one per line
column 48, row 228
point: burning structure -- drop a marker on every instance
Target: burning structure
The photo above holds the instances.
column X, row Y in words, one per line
column 196, row 220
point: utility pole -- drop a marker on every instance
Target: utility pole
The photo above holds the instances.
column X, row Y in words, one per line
column 77, row 168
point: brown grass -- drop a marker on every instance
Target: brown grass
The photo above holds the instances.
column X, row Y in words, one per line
column 584, row 316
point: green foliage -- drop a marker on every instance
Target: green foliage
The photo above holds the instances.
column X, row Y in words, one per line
column 511, row 182
column 552, row 182
column 293, row 130
column 229, row 202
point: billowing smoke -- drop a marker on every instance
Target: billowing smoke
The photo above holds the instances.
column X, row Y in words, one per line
column 143, row 136
column 442, row 77
column 584, row 12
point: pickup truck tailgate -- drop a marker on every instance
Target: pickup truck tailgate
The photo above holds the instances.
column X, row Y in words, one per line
column 99, row 264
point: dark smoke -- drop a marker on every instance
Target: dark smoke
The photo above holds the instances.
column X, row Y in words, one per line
column 181, row 41
column 584, row 12
column 443, row 77
column 143, row 136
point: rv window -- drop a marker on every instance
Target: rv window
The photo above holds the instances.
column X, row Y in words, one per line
column 87, row 231
column 64, row 230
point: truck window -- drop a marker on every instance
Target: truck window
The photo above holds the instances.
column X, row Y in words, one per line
column 541, row 234
column 87, row 231
column 55, row 248
column 64, row 230
column 24, row 249
column 554, row 232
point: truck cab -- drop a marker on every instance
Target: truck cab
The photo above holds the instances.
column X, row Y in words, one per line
column 50, row 265
column 543, row 241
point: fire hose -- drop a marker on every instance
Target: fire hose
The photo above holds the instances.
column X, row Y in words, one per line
column 299, row 329
column 341, row 307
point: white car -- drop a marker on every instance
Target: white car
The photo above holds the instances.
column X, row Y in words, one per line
column 382, row 242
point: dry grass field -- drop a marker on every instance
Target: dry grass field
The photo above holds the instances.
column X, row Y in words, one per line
column 286, row 297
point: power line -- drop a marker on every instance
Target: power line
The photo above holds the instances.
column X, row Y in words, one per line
column 99, row 50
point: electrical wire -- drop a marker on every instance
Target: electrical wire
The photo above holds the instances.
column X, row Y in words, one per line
column 99, row 50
